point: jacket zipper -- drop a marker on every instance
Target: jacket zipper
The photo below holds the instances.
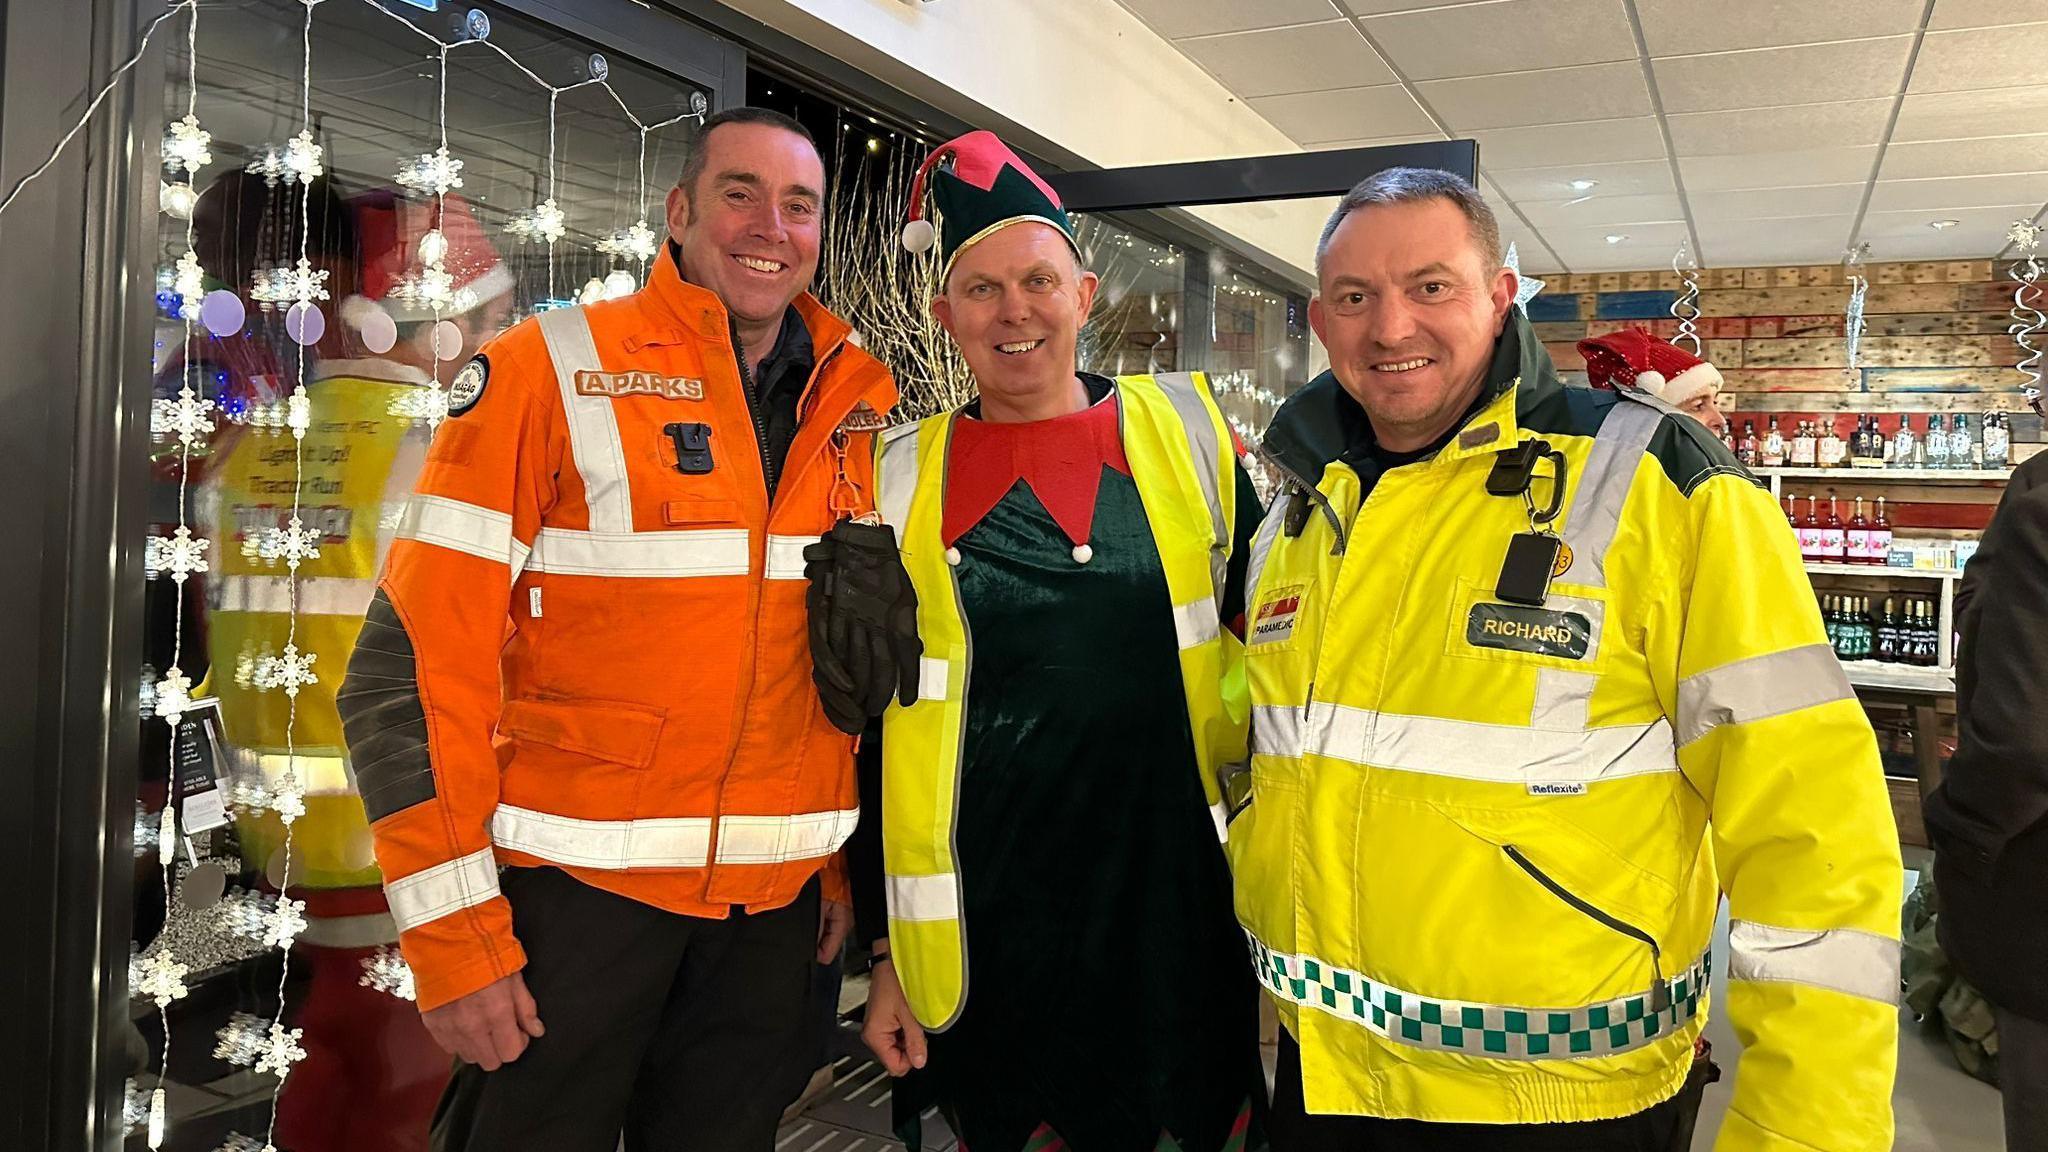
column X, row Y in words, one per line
column 768, row 470
column 1660, row 993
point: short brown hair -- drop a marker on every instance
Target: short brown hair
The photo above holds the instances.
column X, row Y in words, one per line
column 1405, row 185
column 694, row 147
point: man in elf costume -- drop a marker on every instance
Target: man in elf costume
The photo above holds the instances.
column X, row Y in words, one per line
column 1057, row 952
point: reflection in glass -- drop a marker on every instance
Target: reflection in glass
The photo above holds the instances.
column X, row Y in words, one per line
column 1136, row 323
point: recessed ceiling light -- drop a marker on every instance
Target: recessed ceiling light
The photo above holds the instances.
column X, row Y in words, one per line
column 1583, row 185
column 1940, row 224
column 1615, row 237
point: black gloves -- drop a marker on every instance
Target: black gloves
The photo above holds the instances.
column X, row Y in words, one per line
column 863, row 616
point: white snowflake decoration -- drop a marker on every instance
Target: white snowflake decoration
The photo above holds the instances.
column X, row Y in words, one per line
column 431, row 286
column 186, row 146
column 268, row 164
column 283, row 923
column 180, row 554
column 288, row 799
column 635, row 241
column 146, row 833
column 269, row 286
column 289, row 670
column 159, row 977
column 241, row 1040
column 294, row 544
column 422, row 405
column 250, row 796
column 134, row 1105
column 244, row 913
column 187, row 417
column 302, row 157
column 387, row 971
column 189, row 282
column 436, row 172
column 543, row 222
column 300, row 284
column 281, row 1050
column 2024, row 235
column 173, row 695
column 265, row 418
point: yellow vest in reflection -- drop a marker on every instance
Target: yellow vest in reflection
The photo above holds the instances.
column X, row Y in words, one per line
column 354, row 470
column 1181, row 459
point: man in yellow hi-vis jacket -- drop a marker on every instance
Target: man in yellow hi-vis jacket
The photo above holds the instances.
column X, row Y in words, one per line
column 1536, row 677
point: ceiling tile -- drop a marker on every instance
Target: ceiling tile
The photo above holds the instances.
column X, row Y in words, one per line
column 1980, row 58
column 1634, row 178
column 1643, row 246
column 1955, row 192
column 1176, row 18
column 1300, row 59
column 1771, row 77
column 1779, row 129
column 1552, row 145
column 1953, row 244
column 1775, row 169
column 1978, row 231
column 1958, row 115
column 1989, row 156
column 1776, row 203
column 1803, row 240
column 1550, row 96
column 1677, row 27
column 1381, row 7
column 1979, row 13
column 1507, row 36
column 1608, row 212
column 1345, row 114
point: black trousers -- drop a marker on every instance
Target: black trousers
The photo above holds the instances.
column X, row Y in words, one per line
column 2023, row 1080
column 1292, row 1129
column 680, row 1032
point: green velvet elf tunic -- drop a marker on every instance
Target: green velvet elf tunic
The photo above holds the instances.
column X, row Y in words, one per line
column 1110, row 1004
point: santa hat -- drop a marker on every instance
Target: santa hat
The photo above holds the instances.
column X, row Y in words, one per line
column 1632, row 358
column 978, row 187
column 392, row 232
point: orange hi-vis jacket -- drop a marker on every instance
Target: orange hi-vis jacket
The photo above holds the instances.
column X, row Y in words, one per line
column 589, row 649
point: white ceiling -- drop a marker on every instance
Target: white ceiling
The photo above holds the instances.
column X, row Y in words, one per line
column 1758, row 131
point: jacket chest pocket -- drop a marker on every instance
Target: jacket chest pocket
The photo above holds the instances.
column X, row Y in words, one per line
column 1565, row 632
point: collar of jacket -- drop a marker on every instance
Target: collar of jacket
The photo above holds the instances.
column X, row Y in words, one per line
column 1321, row 422
column 677, row 310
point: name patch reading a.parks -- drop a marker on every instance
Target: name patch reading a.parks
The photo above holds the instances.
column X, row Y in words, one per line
column 1541, row 631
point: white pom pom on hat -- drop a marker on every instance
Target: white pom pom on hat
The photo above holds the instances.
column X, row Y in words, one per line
column 1651, row 381
column 919, row 236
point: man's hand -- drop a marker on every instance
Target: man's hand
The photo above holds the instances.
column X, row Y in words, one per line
column 890, row 1031
column 834, row 919
column 490, row 1026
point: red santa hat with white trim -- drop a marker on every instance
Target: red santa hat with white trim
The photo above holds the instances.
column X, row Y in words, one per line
column 1632, row 358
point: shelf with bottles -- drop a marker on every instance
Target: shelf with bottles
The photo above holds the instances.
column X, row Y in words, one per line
column 1831, row 568
column 1899, row 677
column 1910, row 633
column 1888, row 475
column 1950, row 448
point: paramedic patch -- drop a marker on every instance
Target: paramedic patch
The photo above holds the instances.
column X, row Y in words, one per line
column 1539, row 631
column 468, row 386
column 1274, row 621
column 638, row 384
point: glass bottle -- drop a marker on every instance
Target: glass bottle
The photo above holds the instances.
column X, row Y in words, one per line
column 1937, row 443
column 1833, row 542
column 1803, row 446
column 1831, row 623
column 1746, row 448
column 1858, row 551
column 1774, row 446
column 1962, row 448
column 1809, row 530
column 1829, row 449
column 1880, row 536
column 1887, row 635
column 1904, row 443
column 1997, row 441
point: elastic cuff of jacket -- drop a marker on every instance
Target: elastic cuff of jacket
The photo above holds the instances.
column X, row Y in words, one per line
column 439, row 984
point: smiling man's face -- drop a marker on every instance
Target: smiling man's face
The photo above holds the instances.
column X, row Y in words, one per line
column 749, row 228
column 1015, row 303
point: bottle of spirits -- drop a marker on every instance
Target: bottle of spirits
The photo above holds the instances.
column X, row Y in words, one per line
column 1880, row 536
column 1803, row 455
column 1866, row 632
column 1830, row 619
column 1923, row 635
column 1774, row 446
column 1997, row 441
column 1728, row 438
column 1859, row 536
column 1904, row 443
column 1875, row 449
column 1834, row 544
column 1962, row 448
column 1937, row 443
column 1887, row 635
column 1829, row 449
column 1746, row 448
column 1809, row 530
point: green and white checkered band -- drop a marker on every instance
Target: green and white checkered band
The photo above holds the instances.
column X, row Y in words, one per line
column 1485, row 1030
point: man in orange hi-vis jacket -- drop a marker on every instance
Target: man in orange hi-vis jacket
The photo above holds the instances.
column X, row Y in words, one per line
column 587, row 665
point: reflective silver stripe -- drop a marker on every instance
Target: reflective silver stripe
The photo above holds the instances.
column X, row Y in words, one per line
column 1759, row 688
column 776, row 839
column 1276, row 730
column 931, row 678
column 924, row 897
column 1842, row 959
column 1262, row 547
column 428, row 895
column 1602, row 487
column 1486, row 1031
column 692, row 552
column 1563, row 696
column 682, row 842
column 1188, row 392
column 593, row 428
column 1195, row 624
column 896, row 475
column 365, row 931
column 1504, row 753
column 481, row 532
column 318, row 595
column 1220, row 813
column 786, row 556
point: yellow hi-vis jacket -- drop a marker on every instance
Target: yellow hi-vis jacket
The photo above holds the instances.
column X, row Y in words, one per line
column 1486, row 842
column 1182, row 462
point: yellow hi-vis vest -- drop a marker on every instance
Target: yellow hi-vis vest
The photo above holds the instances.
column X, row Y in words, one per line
column 1487, row 840
column 1181, row 459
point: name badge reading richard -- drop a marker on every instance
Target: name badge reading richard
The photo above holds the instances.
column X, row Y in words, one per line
column 1538, row 631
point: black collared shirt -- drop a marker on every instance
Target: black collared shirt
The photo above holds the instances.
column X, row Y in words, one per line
column 775, row 391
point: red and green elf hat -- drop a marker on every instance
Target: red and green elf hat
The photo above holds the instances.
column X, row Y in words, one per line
column 978, row 187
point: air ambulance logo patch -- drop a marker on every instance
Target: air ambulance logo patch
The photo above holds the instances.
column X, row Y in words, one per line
column 1273, row 623
column 468, row 386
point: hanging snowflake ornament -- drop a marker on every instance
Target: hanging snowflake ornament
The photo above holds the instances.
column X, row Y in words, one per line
column 386, row 971
column 302, row 283
column 433, row 172
column 543, row 222
column 283, row 923
column 186, row 146
column 173, row 695
column 245, row 913
column 134, row 1105
column 187, row 418
column 301, row 159
column 179, row 554
column 422, row 405
column 189, row 282
column 159, row 977
column 241, row 1040
column 268, row 163
column 2024, row 235
column 430, row 287
column 636, row 241
column 288, row 799
column 280, row 1051
column 289, row 670
column 292, row 544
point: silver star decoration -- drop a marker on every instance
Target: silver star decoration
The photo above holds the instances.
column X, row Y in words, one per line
column 281, row 1051
column 294, row 544
column 173, row 695
column 289, row 670
column 159, row 977
column 186, row 145
column 187, row 417
column 283, row 923
column 387, row 971
column 436, row 172
column 543, row 222
column 635, row 241
column 302, row 157
column 180, row 554
column 424, row 405
column 189, row 282
column 1526, row 287
column 2024, row 234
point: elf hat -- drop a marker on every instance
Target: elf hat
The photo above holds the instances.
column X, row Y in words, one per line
column 1632, row 358
column 978, row 187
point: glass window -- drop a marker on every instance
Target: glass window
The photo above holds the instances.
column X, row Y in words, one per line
column 374, row 368
column 1259, row 354
column 1136, row 323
